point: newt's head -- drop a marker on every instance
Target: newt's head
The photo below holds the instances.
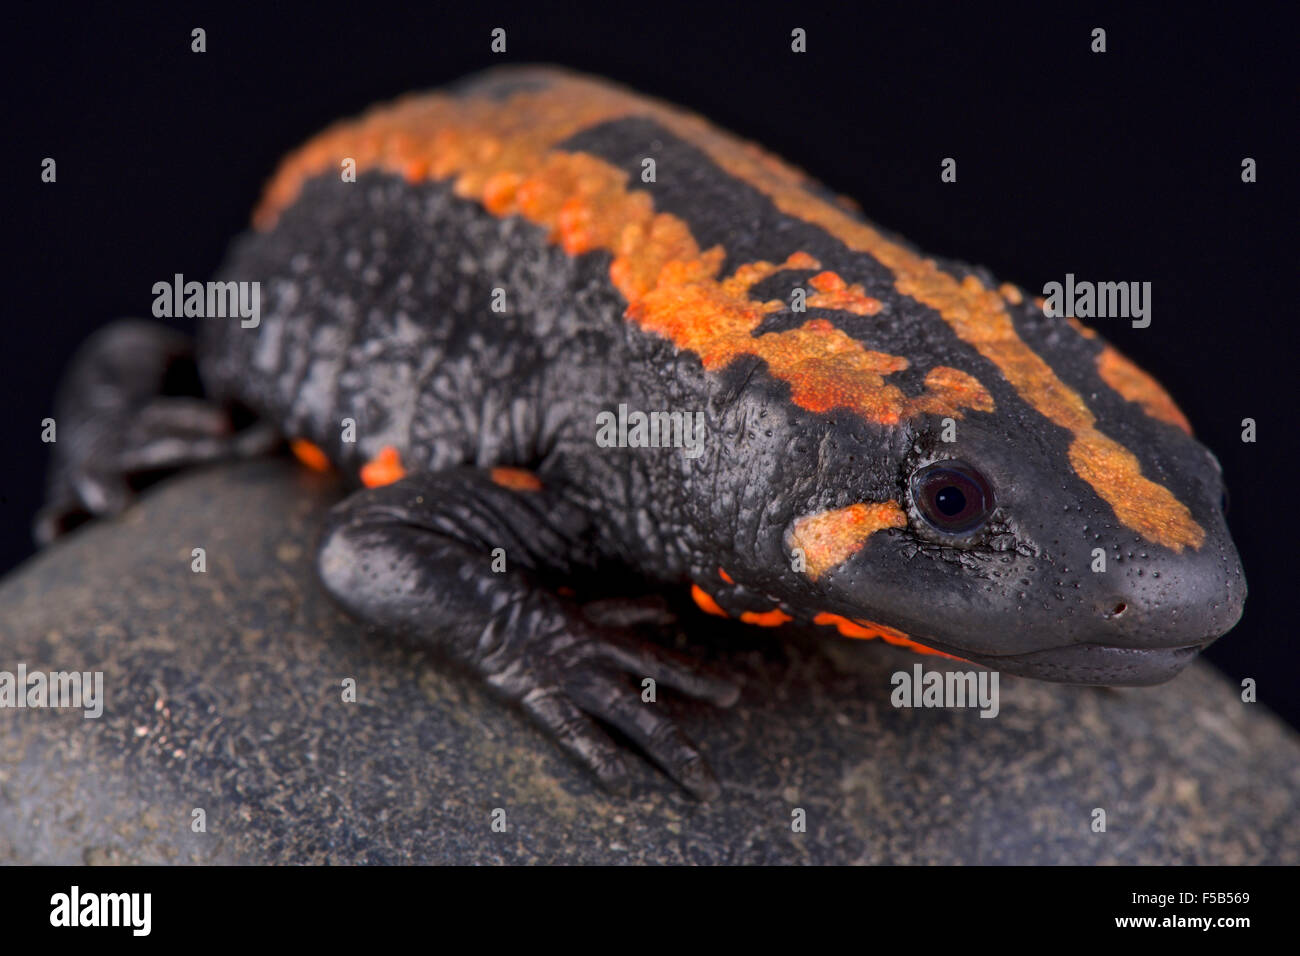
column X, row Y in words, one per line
column 1049, row 536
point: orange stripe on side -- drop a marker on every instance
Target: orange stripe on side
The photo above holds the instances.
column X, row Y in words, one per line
column 516, row 479
column 309, row 454
column 706, row 603
column 869, row 630
column 384, row 469
column 773, row 618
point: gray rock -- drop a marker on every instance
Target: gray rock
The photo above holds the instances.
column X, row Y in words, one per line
column 224, row 693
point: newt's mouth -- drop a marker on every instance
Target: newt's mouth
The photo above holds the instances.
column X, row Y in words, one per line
column 1097, row 663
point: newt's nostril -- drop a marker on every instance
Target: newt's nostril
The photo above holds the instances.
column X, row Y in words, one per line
column 1114, row 610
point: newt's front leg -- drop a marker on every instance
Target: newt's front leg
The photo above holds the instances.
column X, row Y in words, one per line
column 117, row 422
column 415, row 558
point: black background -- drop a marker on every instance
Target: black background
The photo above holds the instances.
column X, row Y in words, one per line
column 1119, row 166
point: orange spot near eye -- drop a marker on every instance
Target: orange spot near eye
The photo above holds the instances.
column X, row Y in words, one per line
column 725, row 576
column 384, row 469
column 869, row 630
column 309, row 454
column 706, row 603
column 831, row 537
column 517, row 479
column 773, row 618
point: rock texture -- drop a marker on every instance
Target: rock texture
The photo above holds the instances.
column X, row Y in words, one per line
column 224, row 692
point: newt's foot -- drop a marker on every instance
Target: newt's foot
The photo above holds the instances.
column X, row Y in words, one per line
column 414, row 559
column 116, row 427
column 571, row 682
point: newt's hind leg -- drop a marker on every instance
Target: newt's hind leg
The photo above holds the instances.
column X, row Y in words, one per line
column 416, row 559
column 115, row 422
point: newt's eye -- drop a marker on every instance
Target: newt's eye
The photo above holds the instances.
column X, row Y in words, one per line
column 952, row 496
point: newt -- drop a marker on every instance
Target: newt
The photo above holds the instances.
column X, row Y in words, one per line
column 892, row 446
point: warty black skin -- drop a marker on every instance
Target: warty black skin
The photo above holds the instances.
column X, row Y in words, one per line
column 376, row 307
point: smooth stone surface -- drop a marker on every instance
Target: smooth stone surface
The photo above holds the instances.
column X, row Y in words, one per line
column 224, row 692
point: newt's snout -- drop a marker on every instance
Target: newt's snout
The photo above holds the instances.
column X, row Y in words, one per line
column 1149, row 620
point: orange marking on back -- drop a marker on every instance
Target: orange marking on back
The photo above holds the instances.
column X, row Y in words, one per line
column 830, row 537
column 834, row 293
column 499, row 192
column 706, row 602
column 825, row 367
column 502, row 154
column 849, row 203
column 773, row 618
column 517, row 479
column 415, row 170
column 384, row 469
column 1079, row 327
column 1011, row 293
column 801, row 260
column 725, row 576
column 310, row 455
column 978, row 316
column 1137, row 386
column 868, row 630
column 672, row 287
